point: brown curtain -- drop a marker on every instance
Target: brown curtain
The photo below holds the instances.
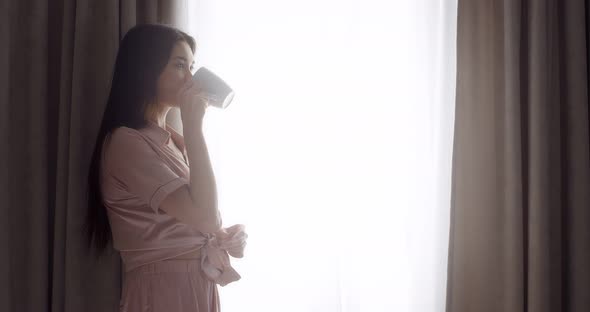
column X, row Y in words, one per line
column 57, row 59
column 520, row 216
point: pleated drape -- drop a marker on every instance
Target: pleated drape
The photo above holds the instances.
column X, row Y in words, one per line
column 57, row 59
column 520, row 214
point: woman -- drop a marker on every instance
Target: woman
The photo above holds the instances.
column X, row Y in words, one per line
column 161, row 216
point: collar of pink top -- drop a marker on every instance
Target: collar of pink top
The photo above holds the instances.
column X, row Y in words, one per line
column 215, row 253
column 162, row 135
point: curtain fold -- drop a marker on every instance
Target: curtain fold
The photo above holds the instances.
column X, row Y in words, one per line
column 520, row 216
column 57, row 61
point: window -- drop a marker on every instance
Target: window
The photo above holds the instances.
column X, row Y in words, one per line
column 336, row 150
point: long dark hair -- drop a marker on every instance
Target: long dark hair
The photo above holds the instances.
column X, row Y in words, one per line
column 143, row 53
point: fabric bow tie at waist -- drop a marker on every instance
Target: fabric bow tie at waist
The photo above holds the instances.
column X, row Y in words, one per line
column 215, row 262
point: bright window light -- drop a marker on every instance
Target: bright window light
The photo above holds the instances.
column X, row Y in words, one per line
column 336, row 150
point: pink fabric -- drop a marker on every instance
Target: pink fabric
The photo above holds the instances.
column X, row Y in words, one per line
column 214, row 259
column 139, row 171
column 168, row 286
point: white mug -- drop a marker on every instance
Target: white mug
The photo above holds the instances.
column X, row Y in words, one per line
column 216, row 91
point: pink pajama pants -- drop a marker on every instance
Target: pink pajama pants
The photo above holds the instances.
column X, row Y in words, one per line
column 169, row 286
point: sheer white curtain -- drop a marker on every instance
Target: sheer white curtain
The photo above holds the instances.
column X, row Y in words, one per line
column 336, row 151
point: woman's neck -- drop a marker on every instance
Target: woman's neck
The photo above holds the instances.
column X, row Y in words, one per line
column 157, row 114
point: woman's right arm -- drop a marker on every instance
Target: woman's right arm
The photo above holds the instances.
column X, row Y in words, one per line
column 196, row 203
column 203, row 187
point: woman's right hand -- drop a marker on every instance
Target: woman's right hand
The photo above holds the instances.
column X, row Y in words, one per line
column 192, row 106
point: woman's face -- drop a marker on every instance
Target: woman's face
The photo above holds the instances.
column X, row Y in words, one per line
column 179, row 69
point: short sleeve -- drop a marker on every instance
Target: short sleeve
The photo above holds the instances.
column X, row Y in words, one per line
column 130, row 159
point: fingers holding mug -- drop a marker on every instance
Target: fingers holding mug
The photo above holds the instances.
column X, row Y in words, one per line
column 204, row 100
column 191, row 104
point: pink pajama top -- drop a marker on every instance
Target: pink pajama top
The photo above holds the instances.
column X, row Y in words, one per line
column 138, row 171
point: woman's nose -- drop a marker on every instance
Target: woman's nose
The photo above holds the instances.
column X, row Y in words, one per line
column 187, row 76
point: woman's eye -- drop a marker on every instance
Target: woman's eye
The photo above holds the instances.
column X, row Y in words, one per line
column 180, row 65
